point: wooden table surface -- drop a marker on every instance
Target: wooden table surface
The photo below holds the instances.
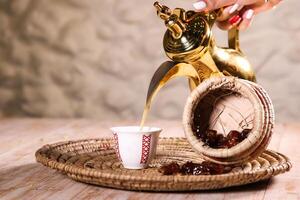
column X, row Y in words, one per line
column 22, row 178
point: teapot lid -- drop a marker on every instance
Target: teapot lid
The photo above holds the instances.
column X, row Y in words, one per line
column 196, row 34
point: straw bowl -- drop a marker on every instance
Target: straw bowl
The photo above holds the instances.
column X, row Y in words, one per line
column 224, row 104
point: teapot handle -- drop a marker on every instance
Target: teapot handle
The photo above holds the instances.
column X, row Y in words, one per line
column 233, row 39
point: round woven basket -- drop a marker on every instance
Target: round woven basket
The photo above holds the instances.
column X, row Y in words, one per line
column 224, row 104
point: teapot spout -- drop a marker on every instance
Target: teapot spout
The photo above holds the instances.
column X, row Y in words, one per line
column 167, row 71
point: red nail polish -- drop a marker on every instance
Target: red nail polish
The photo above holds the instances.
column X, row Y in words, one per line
column 234, row 19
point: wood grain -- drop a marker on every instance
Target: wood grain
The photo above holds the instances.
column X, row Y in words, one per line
column 22, row 178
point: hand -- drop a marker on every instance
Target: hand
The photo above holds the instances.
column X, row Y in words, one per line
column 238, row 13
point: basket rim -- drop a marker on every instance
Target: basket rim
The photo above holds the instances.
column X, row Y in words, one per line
column 261, row 145
column 226, row 83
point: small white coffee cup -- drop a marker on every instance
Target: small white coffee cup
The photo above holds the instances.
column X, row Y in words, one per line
column 135, row 147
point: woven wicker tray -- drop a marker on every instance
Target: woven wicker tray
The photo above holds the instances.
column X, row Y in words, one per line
column 94, row 161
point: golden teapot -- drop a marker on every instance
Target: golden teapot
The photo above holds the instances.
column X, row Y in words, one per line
column 190, row 45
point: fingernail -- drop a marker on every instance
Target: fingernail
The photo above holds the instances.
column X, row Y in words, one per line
column 200, row 5
column 240, row 8
column 249, row 14
column 234, row 8
column 235, row 19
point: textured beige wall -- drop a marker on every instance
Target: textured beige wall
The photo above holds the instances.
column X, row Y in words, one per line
column 75, row 58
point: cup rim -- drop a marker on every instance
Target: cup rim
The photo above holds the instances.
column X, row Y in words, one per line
column 135, row 129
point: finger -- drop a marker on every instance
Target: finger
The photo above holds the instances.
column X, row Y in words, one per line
column 235, row 20
column 200, row 6
column 241, row 3
column 224, row 25
column 255, row 9
column 208, row 5
column 226, row 13
column 228, row 24
column 247, row 19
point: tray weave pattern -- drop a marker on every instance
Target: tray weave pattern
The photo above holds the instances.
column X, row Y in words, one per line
column 94, row 161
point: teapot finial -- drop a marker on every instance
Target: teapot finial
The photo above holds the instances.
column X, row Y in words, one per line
column 173, row 20
column 162, row 11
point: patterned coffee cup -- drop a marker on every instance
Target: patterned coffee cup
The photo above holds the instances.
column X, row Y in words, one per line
column 135, row 147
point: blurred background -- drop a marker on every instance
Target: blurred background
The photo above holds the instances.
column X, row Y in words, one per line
column 95, row 59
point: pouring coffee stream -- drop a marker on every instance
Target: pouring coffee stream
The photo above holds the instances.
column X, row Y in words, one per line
column 190, row 45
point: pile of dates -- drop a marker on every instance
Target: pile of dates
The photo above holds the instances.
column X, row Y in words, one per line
column 216, row 140
column 190, row 168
